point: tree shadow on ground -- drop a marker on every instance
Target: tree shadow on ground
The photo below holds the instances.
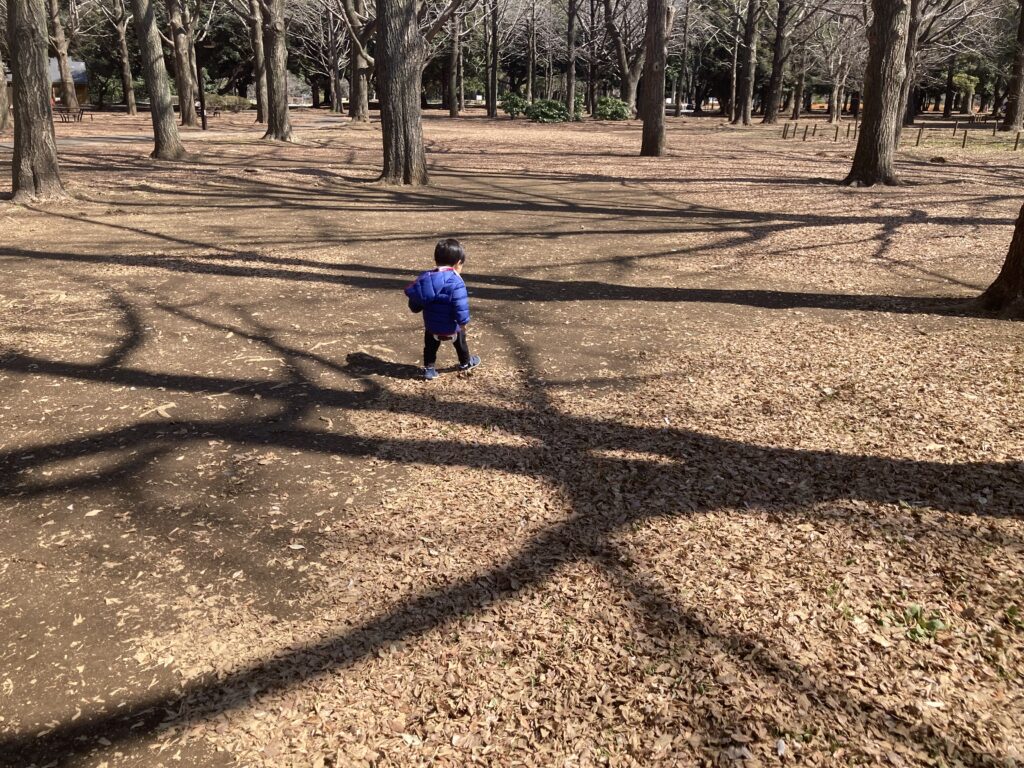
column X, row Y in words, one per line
column 680, row 473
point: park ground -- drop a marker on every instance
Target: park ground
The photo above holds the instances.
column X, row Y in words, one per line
column 740, row 481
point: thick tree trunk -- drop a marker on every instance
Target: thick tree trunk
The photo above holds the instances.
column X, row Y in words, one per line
column 947, row 107
column 5, row 108
column 835, row 102
column 259, row 62
column 165, row 132
column 773, row 102
column 183, row 80
column 359, row 91
column 531, row 53
column 734, row 73
column 652, row 107
column 745, row 86
column 127, row 81
column 68, row 96
column 883, row 81
column 35, row 174
column 492, row 108
column 1009, row 285
column 629, row 71
column 453, row 66
column 908, row 110
column 798, row 92
column 279, row 126
column 400, row 57
column 967, row 102
column 1015, row 90
column 570, row 68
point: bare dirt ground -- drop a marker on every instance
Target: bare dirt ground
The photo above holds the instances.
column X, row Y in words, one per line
column 740, row 482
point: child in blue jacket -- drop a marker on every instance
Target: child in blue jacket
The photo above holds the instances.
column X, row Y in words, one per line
column 441, row 296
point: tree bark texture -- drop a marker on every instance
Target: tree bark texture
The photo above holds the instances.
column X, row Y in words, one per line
column 259, row 62
column 629, row 68
column 360, row 67
column 400, row 57
column 745, row 85
column 798, row 91
column 35, row 174
column 908, row 111
column 165, row 132
column 652, row 106
column 773, row 101
column 734, row 72
column 127, row 81
column 883, row 81
column 570, row 67
column 453, row 66
column 5, row 108
column 947, row 107
column 531, row 53
column 68, row 96
column 1015, row 91
column 279, row 125
column 1009, row 285
column 492, row 72
column 183, row 79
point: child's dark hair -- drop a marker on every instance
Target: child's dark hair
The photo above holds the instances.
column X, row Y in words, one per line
column 449, row 252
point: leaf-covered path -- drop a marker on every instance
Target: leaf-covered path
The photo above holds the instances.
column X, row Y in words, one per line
column 740, row 479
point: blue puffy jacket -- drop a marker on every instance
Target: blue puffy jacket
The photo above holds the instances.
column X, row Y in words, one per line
column 442, row 297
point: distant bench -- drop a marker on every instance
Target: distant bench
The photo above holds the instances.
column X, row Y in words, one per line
column 67, row 115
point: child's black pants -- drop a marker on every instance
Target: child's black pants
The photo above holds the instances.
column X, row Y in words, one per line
column 431, row 345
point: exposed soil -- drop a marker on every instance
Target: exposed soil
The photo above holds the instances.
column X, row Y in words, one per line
column 741, row 479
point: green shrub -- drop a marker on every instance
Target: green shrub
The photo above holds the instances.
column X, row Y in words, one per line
column 227, row 102
column 514, row 105
column 610, row 108
column 547, row 111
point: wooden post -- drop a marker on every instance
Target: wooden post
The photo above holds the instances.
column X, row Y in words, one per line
column 849, row 127
column 964, row 144
column 837, row 135
column 806, row 129
column 920, row 133
column 956, row 124
column 1017, row 142
column 995, row 127
column 815, row 131
column 785, row 131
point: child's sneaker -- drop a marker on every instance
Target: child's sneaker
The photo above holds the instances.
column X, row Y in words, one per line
column 430, row 373
column 474, row 361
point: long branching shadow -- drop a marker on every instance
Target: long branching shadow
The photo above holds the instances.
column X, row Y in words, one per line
column 686, row 473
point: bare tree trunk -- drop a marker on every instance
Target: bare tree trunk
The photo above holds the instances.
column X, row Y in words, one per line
column 453, row 67
column 165, row 132
column 1009, row 285
column 259, row 62
column 947, row 107
column 798, row 92
column 400, row 58
column 359, row 79
column 652, row 106
column 462, row 83
column 279, row 126
column 745, row 88
column 182, row 65
column 570, row 69
column 60, row 47
column 549, row 84
column 531, row 54
column 773, row 101
column 5, row 108
column 835, row 104
column 883, row 81
column 629, row 71
column 35, row 174
column 908, row 106
column 733, row 104
column 121, row 20
column 492, row 63
column 1015, row 90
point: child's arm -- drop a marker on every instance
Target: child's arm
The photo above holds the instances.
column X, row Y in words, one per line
column 460, row 303
column 414, row 304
